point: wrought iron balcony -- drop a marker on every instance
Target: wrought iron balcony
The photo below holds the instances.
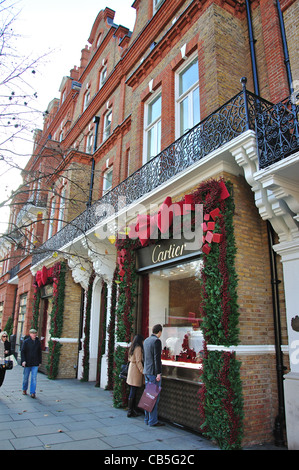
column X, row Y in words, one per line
column 277, row 131
column 276, row 127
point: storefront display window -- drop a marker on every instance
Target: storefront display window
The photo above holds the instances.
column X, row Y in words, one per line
column 174, row 303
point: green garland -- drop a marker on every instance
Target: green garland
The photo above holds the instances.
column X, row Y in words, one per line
column 35, row 307
column 125, row 314
column 59, row 271
column 221, row 401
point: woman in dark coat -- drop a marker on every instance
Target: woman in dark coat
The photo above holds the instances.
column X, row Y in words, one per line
column 5, row 350
column 135, row 372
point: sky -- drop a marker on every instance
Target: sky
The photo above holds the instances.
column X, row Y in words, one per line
column 58, row 29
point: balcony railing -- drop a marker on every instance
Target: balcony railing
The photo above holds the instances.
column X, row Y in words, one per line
column 243, row 112
column 277, row 132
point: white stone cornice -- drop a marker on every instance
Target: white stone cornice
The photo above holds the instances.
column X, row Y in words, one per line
column 276, row 195
column 80, row 269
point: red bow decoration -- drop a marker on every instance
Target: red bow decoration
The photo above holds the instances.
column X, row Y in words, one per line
column 208, row 227
column 43, row 275
column 146, row 224
column 121, row 260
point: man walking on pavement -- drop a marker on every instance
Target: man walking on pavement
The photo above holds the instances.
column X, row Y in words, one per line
column 31, row 358
column 152, row 349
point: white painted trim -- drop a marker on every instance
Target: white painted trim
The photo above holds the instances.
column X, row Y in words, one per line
column 247, row 349
column 66, row 340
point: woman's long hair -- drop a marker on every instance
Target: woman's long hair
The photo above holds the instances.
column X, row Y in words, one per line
column 137, row 341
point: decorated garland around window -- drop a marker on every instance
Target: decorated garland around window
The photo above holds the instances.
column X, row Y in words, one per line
column 55, row 275
column 85, row 360
column 220, row 396
column 127, row 289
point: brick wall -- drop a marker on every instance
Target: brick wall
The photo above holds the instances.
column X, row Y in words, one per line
column 71, row 323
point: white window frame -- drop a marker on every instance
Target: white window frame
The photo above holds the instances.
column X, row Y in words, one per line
column 107, row 125
column 61, row 209
column 155, row 126
column 103, row 76
column 188, row 94
column 156, row 5
column 51, row 217
column 106, row 179
column 89, row 142
column 86, row 99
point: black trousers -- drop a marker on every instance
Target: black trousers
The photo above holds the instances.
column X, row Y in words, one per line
column 2, row 375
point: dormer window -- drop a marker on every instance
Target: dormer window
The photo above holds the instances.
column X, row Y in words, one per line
column 99, row 40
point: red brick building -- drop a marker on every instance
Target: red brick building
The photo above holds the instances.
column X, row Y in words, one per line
column 152, row 116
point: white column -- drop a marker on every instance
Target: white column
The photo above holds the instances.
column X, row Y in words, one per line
column 94, row 328
column 289, row 252
column 104, row 363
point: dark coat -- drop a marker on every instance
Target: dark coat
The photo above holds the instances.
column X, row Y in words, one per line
column 31, row 352
column 7, row 347
column 152, row 349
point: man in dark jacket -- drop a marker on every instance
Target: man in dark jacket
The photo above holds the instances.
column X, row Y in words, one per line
column 31, row 358
column 152, row 349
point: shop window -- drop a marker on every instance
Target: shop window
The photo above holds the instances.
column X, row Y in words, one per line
column 174, row 301
column 107, row 180
column 45, row 321
column 21, row 321
column 187, row 97
column 152, row 129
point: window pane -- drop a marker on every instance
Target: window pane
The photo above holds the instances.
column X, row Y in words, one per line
column 196, row 112
column 177, row 295
column 154, row 110
column 184, row 126
column 151, row 143
column 188, row 77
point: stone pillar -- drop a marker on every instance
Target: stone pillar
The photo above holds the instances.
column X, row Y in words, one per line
column 289, row 252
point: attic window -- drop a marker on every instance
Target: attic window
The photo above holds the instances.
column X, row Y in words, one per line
column 99, row 40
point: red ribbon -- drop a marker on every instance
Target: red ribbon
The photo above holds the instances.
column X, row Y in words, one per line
column 43, row 275
column 163, row 219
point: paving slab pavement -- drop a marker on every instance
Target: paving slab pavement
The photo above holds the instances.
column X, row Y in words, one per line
column 68, row 414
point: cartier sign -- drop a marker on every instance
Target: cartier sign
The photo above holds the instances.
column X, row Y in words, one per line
column 164, row 252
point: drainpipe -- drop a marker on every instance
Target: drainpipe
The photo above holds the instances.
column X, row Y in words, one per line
column 285, row 48
column 252, row 49
column 280, row 418
column 96, row 120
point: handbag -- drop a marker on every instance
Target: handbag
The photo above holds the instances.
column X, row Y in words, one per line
column 8, row 365
column 124, row 371
column 149, row 397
